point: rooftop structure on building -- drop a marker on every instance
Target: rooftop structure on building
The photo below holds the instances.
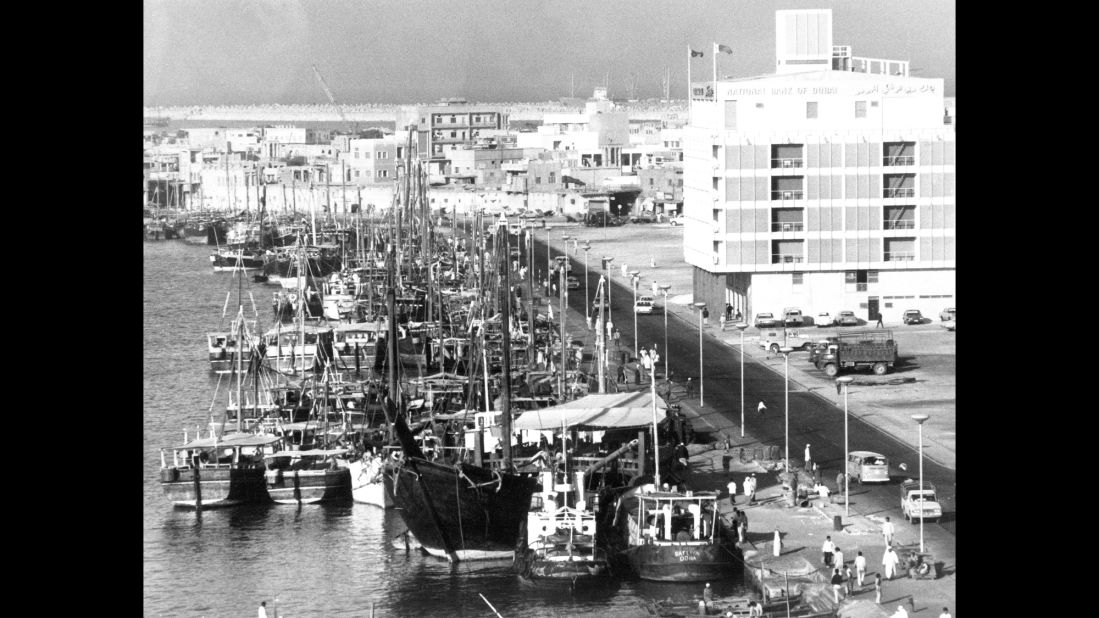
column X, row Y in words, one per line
column 828, row 185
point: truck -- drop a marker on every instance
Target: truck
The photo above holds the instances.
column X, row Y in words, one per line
column 927, row 509
column 774, row 339
column 875, row 349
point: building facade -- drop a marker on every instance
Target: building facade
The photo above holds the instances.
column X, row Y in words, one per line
column 823, row 188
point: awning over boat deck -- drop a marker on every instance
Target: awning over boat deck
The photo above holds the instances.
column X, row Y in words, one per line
column 310, row 453
column 613, row 410
column 231, row 440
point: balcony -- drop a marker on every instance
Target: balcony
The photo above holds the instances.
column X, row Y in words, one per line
column 899, row 256
column 447, row 124
column 787, row 227
column 898, row 160
column 903, row 224
column 892, row 192
column 781, row 258
column 787, row 163
column 787, row 195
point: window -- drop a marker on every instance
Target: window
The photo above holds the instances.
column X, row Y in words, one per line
column 717, row 246
column 900, row 249
column 715, row 183
column 899, row 185
column 787, row 219
column 383, row 173
column 860, row 109
column 811, row 109
column 899, row 218
column 856, row 280
column 787, row 188
column 786, row 251
column 715, row 151
column 552, row 177
column 537, row 180
column 759, row 105
column 650, row 182
column 899, row 153
column 798, row 278
column 679, row 183
column 717, row 214
column 786, row 156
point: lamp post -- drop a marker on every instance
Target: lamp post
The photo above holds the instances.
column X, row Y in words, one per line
column 587, row 303
column 741, row 326
column 701, row 402
column 635, row 279
column 845, row 381
column 920, row 418
column 786, row 355
column 667, row 352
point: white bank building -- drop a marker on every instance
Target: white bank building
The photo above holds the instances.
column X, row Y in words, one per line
column 826, row 186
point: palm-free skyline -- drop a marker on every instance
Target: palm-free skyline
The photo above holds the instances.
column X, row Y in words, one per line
column 207, row 52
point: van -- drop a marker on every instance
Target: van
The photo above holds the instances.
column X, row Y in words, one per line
column 774, row 339
column 868, row 467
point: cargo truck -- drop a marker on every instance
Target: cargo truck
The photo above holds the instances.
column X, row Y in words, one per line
column 875, row 349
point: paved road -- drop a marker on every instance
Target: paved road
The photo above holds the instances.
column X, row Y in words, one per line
column 812, row 419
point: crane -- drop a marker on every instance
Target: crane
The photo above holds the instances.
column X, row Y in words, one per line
column 332, row 99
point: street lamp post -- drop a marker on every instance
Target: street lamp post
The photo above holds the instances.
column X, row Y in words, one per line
column 845, row 381
column 608, row 259
column 920, row 418
column 786, row 355
column 667, row 352
column 635, row 280
column 701, row 402
column 741, row 326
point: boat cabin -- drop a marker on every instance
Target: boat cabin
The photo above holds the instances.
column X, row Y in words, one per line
column 670, row 517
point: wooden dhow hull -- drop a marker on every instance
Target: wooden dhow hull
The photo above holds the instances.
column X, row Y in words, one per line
column 218, row 487
column 308, row 486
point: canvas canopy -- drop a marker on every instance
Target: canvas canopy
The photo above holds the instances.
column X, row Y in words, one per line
column 609, row 410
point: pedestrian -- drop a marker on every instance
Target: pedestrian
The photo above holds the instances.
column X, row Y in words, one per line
column 808, row 465
column 262, row 612
column 837, row 557
column 827, row 549
column 847, row 577
column 837, row 584
column 637, row 373
column 887, row 531
column 860, row 567
column 879, row 324
column 945, row 614
column 760, row 408
column 755, row 608
column 708, row 596
column 705, row 316
column 732, row 494
column 877, row 588
column 621, row 374
column 839, row 484
column 617, row 338
column 900, row 613
column 728, row 311
column 890, row 561
column 751, row 492
column 722, row 320
column 588, row 320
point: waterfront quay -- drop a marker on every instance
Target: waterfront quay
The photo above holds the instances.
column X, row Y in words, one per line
column 880, row 409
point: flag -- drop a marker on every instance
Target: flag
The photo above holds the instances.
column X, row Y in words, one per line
column 725, row 48
column 695, row 54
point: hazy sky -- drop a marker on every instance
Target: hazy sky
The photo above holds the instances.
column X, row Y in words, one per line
column 405, row 51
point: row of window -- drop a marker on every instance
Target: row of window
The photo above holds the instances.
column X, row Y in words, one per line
column 792, row 252
column 377, row 173
column 792, row 156
column 380, row 154
column 792, row 187
column 811, row 110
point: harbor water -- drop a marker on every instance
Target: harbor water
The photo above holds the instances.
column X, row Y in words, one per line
column 314, row 560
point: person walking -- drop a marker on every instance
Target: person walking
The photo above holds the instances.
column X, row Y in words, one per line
column 860, row 567
column 837, row 584
column 849, row 579
column 760, row 408
column 750, row 488
column 743, row 518
column 879, row 324
column 708, row 596
column 589, row 321
column 837, row 557
column 621, row 374
column 945, row 614
column 877, row 588
column 890, row 561
column 827, row 549
column 808, row 464
column 732, row 495
column 617, row 338
column 900, row 613
column 887, row 531
column 262, row 612
column 722, row 320
column 705, row 317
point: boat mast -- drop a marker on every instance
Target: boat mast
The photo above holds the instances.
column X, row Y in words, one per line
column 505, row 319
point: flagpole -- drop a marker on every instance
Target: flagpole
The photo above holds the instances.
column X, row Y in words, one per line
column 715, row 67
column 690, row 53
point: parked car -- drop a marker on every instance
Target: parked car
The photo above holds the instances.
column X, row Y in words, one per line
column 643, row 305
column 913, row 316
column 824, row 319
column 951, row 325
column 644, row 216
column 847, row 318
column 791, row 316
column 766, row 320
column 947, row 314
column 560, row 262
column 677, row 220
column 868, row 467
column 572, row 283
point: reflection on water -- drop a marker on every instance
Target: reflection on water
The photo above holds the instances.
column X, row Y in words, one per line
column 317, row 560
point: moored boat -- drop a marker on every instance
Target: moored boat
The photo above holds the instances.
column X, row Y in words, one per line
column 307, row 477
column 217, row 471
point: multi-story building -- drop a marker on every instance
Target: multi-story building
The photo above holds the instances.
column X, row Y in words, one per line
column 369, row 161
column 451, row 125
column 828, row 185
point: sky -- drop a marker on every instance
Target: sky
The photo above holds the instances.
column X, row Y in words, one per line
column 243, row 52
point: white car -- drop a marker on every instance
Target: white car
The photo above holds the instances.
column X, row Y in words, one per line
column 824, row 319
column 643, row 305
column 677, row 220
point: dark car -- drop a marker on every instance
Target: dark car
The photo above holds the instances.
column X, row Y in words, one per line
column 913, row 316
column 600, row 219
column 643, row 217
column 847, row 318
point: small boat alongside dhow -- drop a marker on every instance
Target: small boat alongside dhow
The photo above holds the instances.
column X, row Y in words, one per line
column 307, row 477
column 217, row 471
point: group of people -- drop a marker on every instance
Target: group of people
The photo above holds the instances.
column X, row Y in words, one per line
column 749, row 489
column 843, row 580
